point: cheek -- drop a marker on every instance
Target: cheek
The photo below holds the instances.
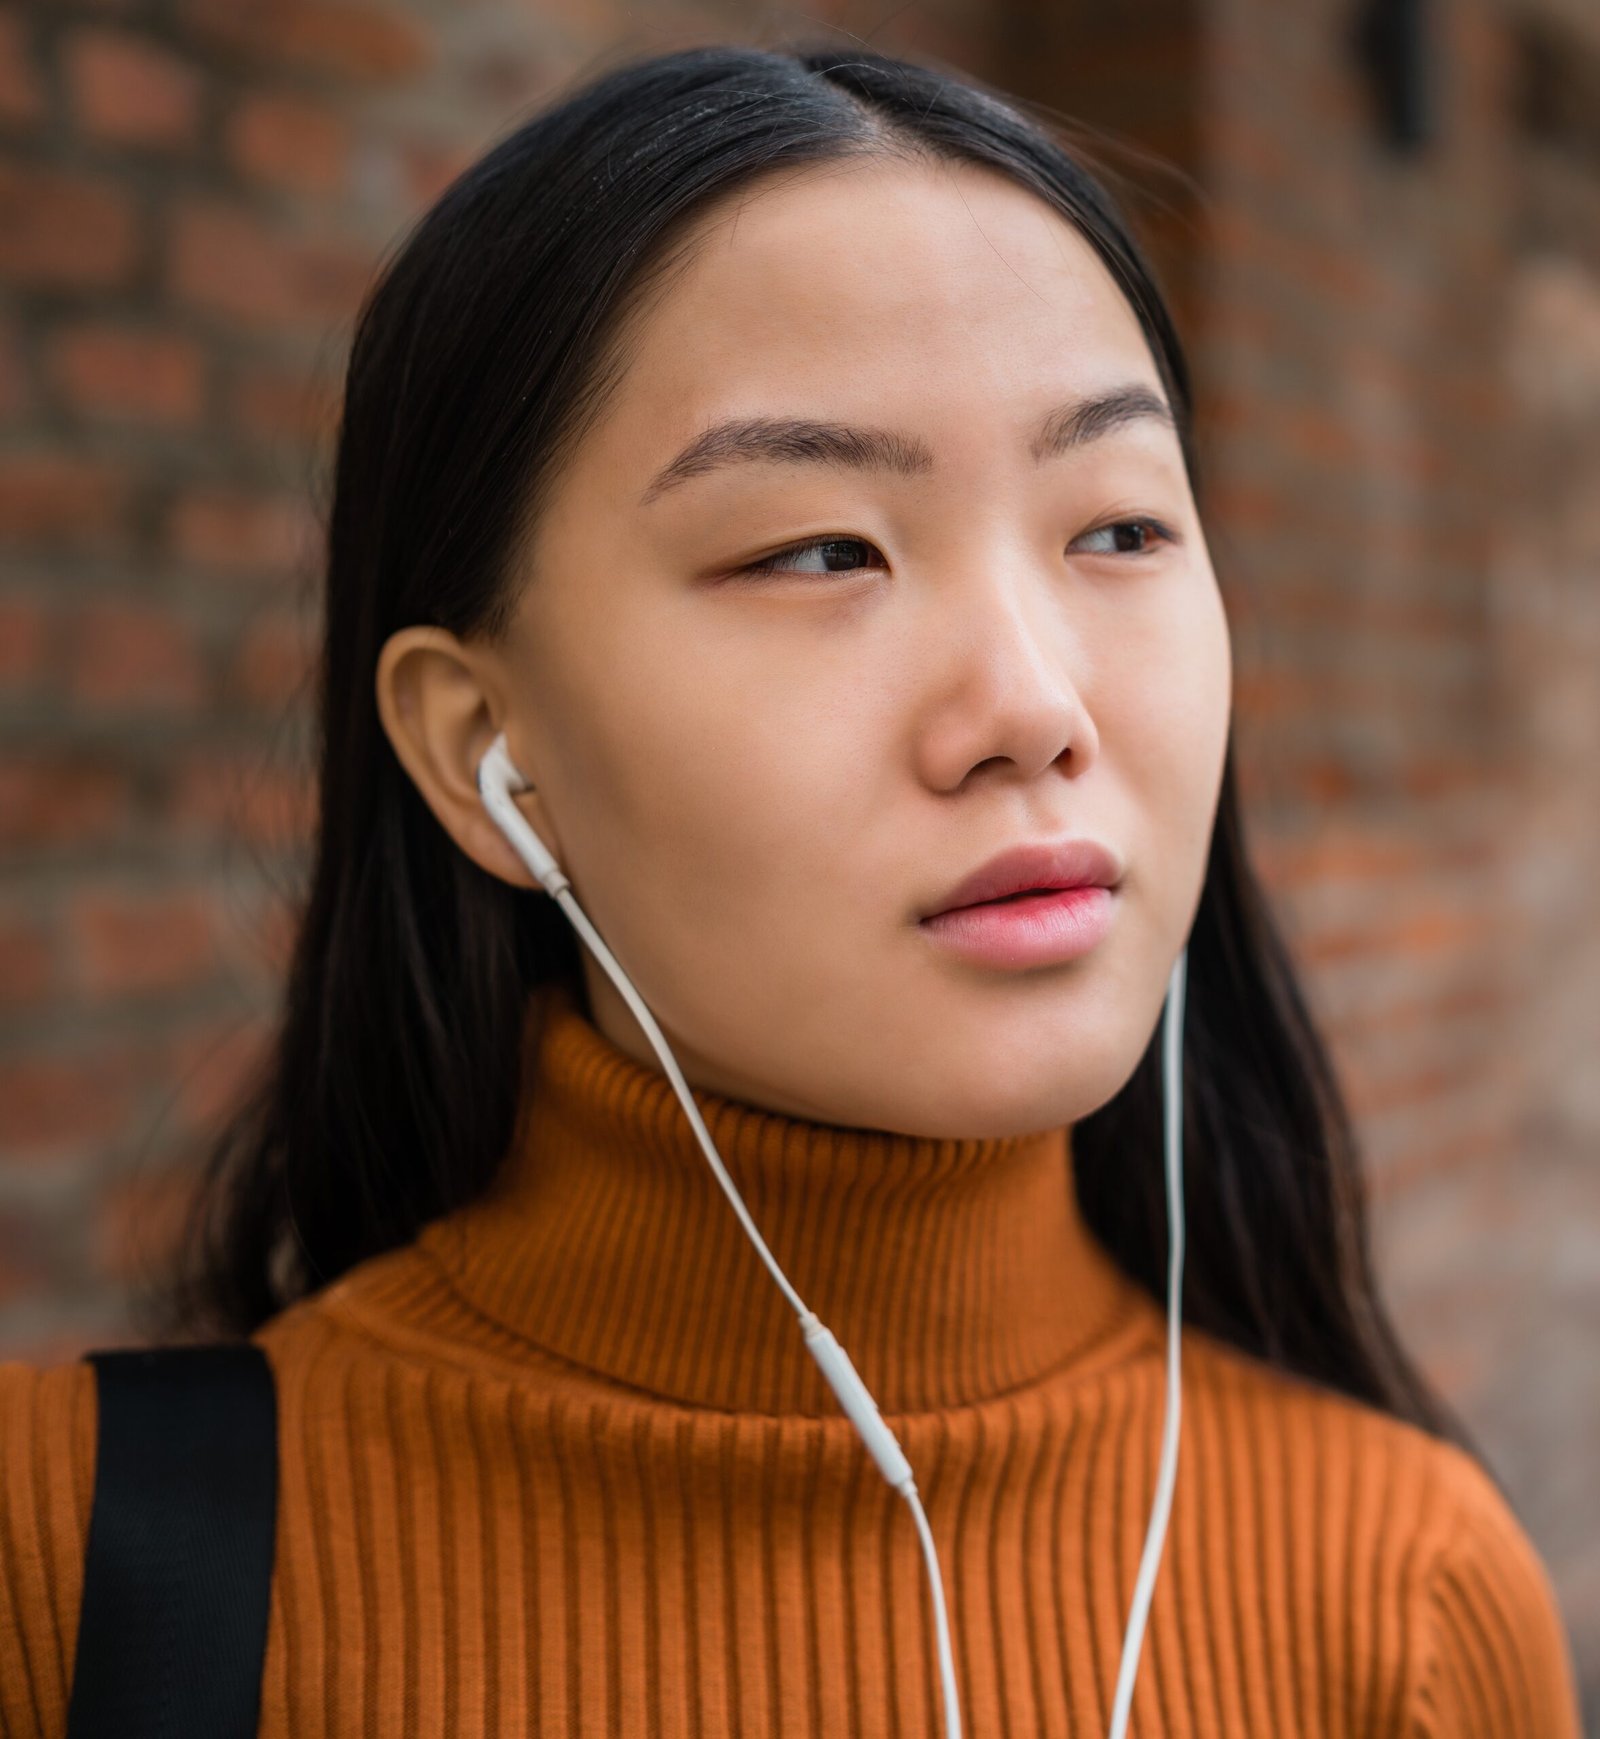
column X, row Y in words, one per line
column 714, row 795
column 1173, row 689
column 1180, row 741
column 765, row 821
column 1208, row 691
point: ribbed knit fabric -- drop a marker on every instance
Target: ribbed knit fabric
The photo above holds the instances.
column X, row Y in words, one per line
column 564, row 1466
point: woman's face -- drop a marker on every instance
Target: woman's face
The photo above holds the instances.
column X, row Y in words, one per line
column 758, row 782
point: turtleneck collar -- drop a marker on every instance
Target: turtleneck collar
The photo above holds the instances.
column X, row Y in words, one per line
column 949, row 1270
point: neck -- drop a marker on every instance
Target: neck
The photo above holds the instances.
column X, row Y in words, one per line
column 950, row 1270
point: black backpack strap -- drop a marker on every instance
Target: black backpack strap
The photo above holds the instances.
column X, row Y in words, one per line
column 178, row 1566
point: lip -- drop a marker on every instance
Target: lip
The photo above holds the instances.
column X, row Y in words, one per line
column 1064, row 863
column 1037, row 930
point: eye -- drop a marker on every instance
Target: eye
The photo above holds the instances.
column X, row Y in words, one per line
column 835, row 557
column 1161, row 534
column 835, row 552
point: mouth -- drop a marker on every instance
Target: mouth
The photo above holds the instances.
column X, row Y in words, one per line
column 1009, row 899
column 1027, row 928
column 1032, row 871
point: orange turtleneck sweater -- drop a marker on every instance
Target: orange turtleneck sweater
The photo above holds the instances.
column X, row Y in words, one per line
column 564, row 1466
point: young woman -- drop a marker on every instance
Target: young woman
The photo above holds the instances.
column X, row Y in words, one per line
column 785, row 455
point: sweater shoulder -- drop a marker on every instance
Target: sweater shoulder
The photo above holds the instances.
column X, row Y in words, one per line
column 1478, row 1648
column 48, row 1418
column 1498, row 1661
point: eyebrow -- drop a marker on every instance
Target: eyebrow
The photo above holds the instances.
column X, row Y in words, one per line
column 807, row 441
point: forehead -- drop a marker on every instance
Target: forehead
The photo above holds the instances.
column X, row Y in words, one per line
column 943, row 292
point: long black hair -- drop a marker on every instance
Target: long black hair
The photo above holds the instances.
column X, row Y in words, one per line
column 485, row 348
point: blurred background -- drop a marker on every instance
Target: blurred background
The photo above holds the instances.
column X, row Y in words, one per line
column 1379, row 225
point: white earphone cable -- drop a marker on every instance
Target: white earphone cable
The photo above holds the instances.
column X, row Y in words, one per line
column 497, row 779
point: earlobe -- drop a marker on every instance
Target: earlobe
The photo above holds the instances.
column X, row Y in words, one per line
column 495, row 852
column 492, row 852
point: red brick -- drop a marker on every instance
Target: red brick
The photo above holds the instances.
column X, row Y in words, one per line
column 211, row 1068
column 500, row 75
column 1319, row 437
column 27, row 961
column 25, row 1265
column 1427, row 620
column 138, row 1220
column 1424, row 775
column 238, row 796
column 1420, row 462
column 22, row 95
column 1242, row 145
column 1373, row 1095
column 364, row 43
column 50, row 800
column 225, row 261
column 133, row 944
column 25, row 643
column 275, row 661
column 119, row 653
column 290, row 142
column 53, row 500
column 121, row 372
column 1265, row 694
column 278, row 925
column 1431, row 1010
column 599, row 20
column 1242, row 505
column 1332, row 853
column 241, row 531
column 1319, row 780
column 126, row 91
column 60, row 228
column 274, row 401
column 1410, row 1171
column 54, row 1105
column 1418, row 936
column 16, row 392
column 431, row 165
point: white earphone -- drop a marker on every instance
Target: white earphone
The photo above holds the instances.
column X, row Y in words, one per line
column 497, row 779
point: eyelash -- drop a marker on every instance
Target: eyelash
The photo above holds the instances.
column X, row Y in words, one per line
column 769, row 565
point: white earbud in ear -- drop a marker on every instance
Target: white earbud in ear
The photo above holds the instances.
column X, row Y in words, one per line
column 497, row 779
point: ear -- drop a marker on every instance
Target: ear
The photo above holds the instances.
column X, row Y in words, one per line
column 436, row 699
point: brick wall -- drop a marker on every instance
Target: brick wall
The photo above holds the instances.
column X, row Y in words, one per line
column 1398, row 360
column 191, row 202
column 1398, row 366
